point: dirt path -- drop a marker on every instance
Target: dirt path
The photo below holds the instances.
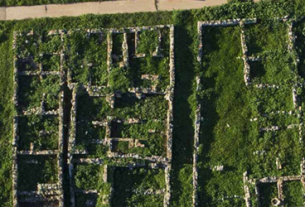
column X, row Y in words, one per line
column 165, row 5
column 107, row 7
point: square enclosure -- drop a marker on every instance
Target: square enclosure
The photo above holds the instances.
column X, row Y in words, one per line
column 138, row 187
column 35, row 170
column 38, row 133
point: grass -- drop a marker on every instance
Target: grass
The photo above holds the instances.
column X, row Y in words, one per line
column 299, row 30
column 228, row 106
column 186, row 69
column 147, row 109
column 42, row 132
column 45, row 171
column 225, row 112
column 130, row 186
column 268, row 40
column 293, row 193
column 87, row 177
column 269, row 191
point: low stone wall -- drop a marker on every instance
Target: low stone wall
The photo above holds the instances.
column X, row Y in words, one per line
column 109, row 53
column 245, row 55
column 247, row 191
column 196, row 144
column 42, row 152
column 98, row 91
column 15, row 130
column 71, row 144
column 41, row 112
column 222, row 23
column 153, row 158
column 125, row 52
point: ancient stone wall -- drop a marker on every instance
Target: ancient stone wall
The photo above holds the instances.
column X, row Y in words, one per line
column 97, row 91
column 41, row 112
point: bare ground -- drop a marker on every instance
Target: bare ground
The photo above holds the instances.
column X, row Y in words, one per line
column 107, row 7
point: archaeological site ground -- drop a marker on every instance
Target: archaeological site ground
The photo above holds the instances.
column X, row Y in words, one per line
column 185, row 108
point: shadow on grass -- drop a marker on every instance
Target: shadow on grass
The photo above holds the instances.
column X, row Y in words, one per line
column 183, row 123
column 207, row 137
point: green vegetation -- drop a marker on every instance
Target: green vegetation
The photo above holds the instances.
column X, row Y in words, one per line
column 293, row 196
column 44, row 171
column 87, row 176
column 300, row 32
column 268, row 40
column 148, row 41
column 228, row 107
column 130, row 187
column 82, row 199
column 269, row 191
column 42, row 132
column 82, row 51
column 32, row 90
column 6, row 117
column 152, row 110
column 90, row 177
column 226, row 104
column 227, row 100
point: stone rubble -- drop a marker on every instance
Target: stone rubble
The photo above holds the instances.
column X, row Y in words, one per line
column 261, row 85
column 157, row 53
column 246, row 190
column 148, row 192
column 125, row 52
column 280, row 190
column 71, row 142
column 217, row 168
column 254, row 58
column 291, row 126
column 109, row 52
column 86, row 191
column 259, row 152
column 257, row 193
column 88, row 161
column 170, row 118
column 32, row 161
column 105, row 173
column 143, row 91
column 42, row 152
column 153, row 158
column 278, row 164
column 271, row 128
column 302, row 165
column 15, row 130
column 48, row 189
column 103, row 123
column 196, row 146
column 245, row 55
column 286, row 113
column 294, row 97
column 153, row 78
